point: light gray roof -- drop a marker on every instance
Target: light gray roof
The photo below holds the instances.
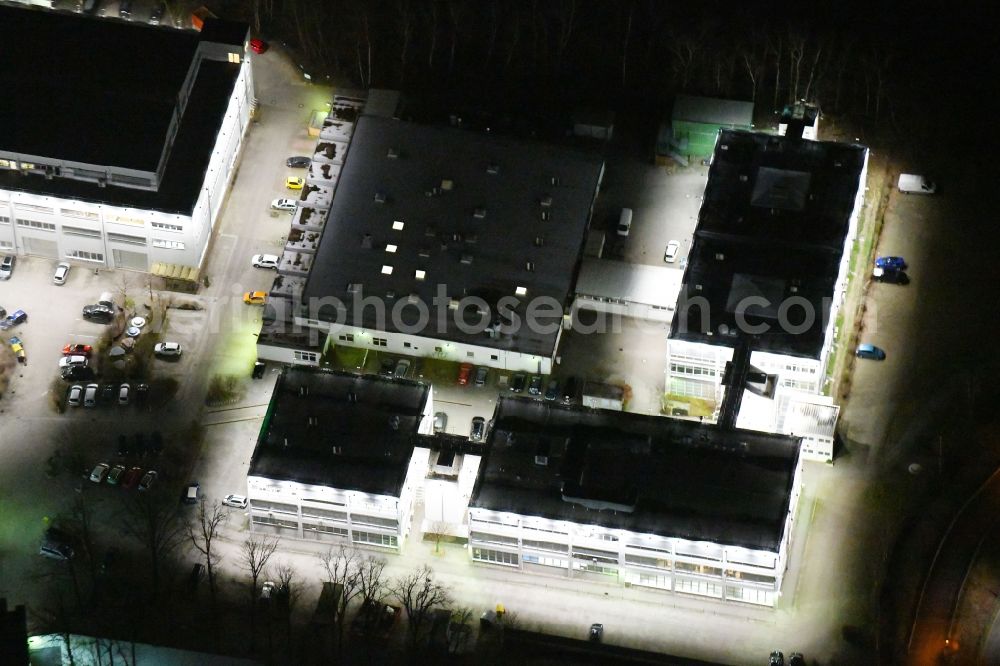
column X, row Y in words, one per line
column 634, row 283
column 712, row 111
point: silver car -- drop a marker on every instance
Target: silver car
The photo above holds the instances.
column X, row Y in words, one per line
column 62, row 272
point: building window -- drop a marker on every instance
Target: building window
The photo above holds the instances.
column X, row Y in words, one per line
column 7, row 164
column 82, row 214
column 4, row 219
column 35, row 224
column 492, row 538
column 494, row 556
column 131, row 221
column 388, row 540
column 79, row 231
column 470, row 354
column 124, row 238
column 86, row 256
column 326, row 529
column 33, row 207
column 168, row 244
column 407, row 345
column 374, row 521
column 166, row 227
column 6, row 244
column 438, row 349
column 308, row 357
column 494, row 357
column 380, row 342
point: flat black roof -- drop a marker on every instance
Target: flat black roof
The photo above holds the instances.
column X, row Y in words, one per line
column 89, row 90
column 773, row 224
column 506, row 179
column 372, row 420
column 647, row 474
column 182, row 179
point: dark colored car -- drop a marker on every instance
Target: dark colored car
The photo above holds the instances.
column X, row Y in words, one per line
column 141, row 392
column 796, row 659
column 517, row 384
column 122, row 446
column 569, row 390
column 298, row 161
column 156, row 15
column 109, row 393
column 482, row 372
column 99, row 313
column 596, row 632
column 478, row 429
column 464, row 371
column 14, row 318
column 148, row 479
column 76, row 373
column 892, row 263
column 890, row 275
column 552, row 390
column 386, row 366
column 777, row 659
column 131, row 478
column 535, row 387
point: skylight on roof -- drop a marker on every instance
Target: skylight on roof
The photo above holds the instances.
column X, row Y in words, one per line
column 387, row 270
column 419, row 274
column 398, row 225
column 390, row 247
column 521, row 291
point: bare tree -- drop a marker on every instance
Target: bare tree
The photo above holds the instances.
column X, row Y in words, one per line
column 202, row 532
column 371, row 584
column 460, row 629
column 685, row 50
column 341, row 567
column 255, row 554
column 419, row 594
column 152, row 519
column 455, row 11
column 404, row 24
column 566, row 17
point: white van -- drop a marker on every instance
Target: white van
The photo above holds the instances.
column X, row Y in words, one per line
column 625, row 222
column 910, row 183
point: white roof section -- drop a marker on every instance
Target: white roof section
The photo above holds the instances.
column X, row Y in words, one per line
column 633, row 283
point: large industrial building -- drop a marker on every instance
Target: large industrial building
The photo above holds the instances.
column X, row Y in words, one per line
column 440, row 241
column 118, row 141
column 768, row 270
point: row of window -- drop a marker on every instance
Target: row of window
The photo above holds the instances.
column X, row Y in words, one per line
column 35, row 224
column 388, row 540
column 494, row 556
column 307, row 357
column 86, row 256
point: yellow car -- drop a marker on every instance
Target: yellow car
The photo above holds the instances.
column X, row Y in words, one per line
column 254, row 298
column 294, row 182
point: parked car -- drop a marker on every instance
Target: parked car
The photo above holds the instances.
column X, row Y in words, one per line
column 141, row 391
column 870, row 352
column 596, row 632
column 156, row 15
column 552, row 390
column 62, row 272
column 99, row 472
column 90, row 395
column 77, row 373
column 265, row 261
column 285, row 205
column 624, row 222
column 67, row 361
column 235, row 501
column 167, row 349
column 796, row 659
column 569, row 390
column 891, row 263
column 7, row 266
column 132, row 478
column 192, row 493
column 99, row 313
column 482, row 372
column 892, row 276
column 478, row 429
column 670, row 254
column 57, row 544
column 108, row 392
column 464, row 371
column 255, row 298
column 295, row 183
column 77, row 350
column 777, row 658
column 517, row 384
column 124, row 393
column 75, row 395
column 147, row 481
column 298, row 161
column 115, row 475
column 402, row 367
column 386, row 365
column 123, row 448
column 440, row 422
column 14, row 318
column 535, row 387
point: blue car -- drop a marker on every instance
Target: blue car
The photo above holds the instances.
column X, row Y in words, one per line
column 13, row 319
column 891, row 263
column 870, row 352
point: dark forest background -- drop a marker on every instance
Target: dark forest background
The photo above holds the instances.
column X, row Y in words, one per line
column 901, row 68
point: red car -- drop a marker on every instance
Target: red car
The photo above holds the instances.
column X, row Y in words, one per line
column 77, row 350
column 132, row 477
column 258, row 45
column 464, row 371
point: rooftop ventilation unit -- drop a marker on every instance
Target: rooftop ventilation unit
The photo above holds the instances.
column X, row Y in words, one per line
column 380, row 197
column 546, row 201
column 337, row 450
column 539, row 241
column 433, row 192
column 554, row 180
column 493, row 169
column 529, row 266
column 392, row 154
column 423, row 253
column 303, row 391
column 479, row 213
column 466, row 259
column 546, row 215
